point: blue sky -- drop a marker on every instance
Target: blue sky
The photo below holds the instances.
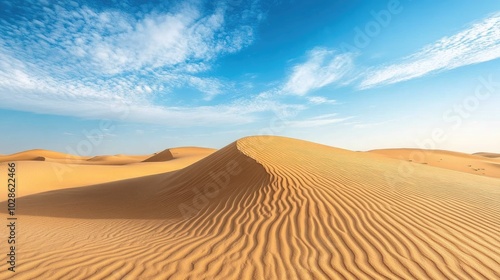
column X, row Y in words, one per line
column 140, row 76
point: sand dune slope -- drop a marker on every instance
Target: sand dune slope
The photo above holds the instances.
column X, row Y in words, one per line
column 161, row 196
column 269, row 208
column 161, row 156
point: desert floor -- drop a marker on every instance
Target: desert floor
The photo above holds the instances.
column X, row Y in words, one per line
column 259, row 208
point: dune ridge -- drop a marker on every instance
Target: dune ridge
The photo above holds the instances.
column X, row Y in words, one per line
column 152, row 193
column 269, row 208
column 161, row 156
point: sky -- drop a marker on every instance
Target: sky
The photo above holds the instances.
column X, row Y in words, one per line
column 136, row 77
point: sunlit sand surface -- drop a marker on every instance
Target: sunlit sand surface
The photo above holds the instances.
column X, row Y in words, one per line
column 259, row 208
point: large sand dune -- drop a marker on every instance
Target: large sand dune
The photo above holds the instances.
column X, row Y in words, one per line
column 268, row 208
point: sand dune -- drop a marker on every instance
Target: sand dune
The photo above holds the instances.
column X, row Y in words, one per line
column 473, row 164
column 190, row 151
column 180, row 152
column 268, row 208
column 161, row 156
column 45, row 155
column 39, row 153
column 40, row 175
column 488, row 155
column 117, row 159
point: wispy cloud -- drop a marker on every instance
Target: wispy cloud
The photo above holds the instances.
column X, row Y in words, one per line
column 478, row 43
column 183, row 39
column 70, row 59
column 323, row 67
column 317, row 100
column 321, row 120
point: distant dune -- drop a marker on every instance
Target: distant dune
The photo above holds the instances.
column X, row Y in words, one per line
column 473, row 164
column 489, row 155
column 271, row 208
column 170, row 154
column 161, row 156
column 117, row 159
column 38, row 153
column 40, row 174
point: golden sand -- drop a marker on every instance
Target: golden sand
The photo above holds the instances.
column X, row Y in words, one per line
column 263, row 208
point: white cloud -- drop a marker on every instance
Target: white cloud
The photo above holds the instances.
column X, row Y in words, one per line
column 478, row 43
column 322, row 68
column 165, row 40
column 117, row 51
column 210, row 86
column 318, row 100
column 123, row 110
column 113, row 42
column 321, row 120
column 82, row 62
column 25, row 87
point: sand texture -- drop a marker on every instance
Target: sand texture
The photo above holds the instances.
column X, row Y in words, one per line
column 262, row 208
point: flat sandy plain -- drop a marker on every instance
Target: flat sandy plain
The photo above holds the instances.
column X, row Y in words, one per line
column 259, row 208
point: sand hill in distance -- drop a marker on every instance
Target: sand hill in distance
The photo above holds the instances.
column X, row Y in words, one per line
column 260, row 208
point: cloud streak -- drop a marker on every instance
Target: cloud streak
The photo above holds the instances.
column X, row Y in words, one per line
column 323, row 67
column 478, row 43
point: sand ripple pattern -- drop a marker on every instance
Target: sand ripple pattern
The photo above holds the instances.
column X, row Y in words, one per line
column 289, row 210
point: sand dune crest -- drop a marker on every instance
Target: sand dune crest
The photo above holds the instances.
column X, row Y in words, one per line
column 161, row 156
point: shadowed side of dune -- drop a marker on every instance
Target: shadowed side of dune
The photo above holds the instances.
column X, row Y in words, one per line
column 173, row 195
column 161, row 156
